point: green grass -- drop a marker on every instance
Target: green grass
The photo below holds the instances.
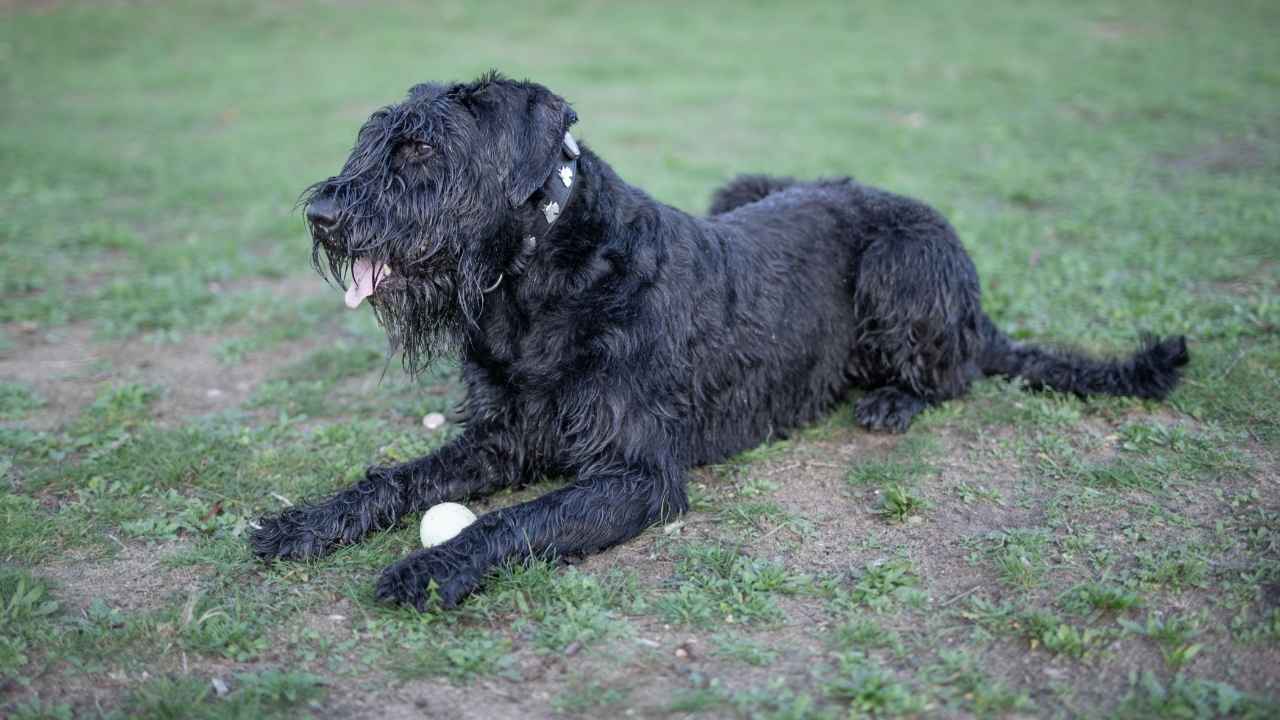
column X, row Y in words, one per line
column 861, row 633
column 26, row 609
column 1174, row 635
column 717, row 584
column 1040, row 629
column 560, row 609
column 963, row 683
column 1099, row 598
column 1175, row 568
column 881, row 585
column 896, row 477
column 1018, row 554
column 905, row 464
column 462, row 656
column 868, row 689
column 744, row 649
column 307, row 387
column 590, row 698
column 16, row 400
column 899, row 504
column 269, row 694
column 1112, row 169
column 1190, row 698
column 26, row 528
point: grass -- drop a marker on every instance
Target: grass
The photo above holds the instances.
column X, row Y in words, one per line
column 1096, row 597
column 881, row 585
column 1040, row 629
column 26, row 606
column 170, row 369
column 558, row 609
column 462, row 656
column 716, row 584
column 1019, row 556
column 964, row 684
column 895, row 479
column 588, row 699
column 898, row 504
column 270, row 694
column 307, row 387
column 1183, row 697
column 17, row 400
column 868, row 689
column 862, row 633
column 744, row 650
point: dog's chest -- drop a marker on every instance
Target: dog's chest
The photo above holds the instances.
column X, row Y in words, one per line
column 532, row 350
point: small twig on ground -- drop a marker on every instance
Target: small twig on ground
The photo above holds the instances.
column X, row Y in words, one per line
column 774, row 530
column 970, row 591
column 815, row 463
column 189, row 609
column 1234, row 362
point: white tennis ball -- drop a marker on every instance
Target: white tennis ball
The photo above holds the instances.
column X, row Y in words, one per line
column 442, row 522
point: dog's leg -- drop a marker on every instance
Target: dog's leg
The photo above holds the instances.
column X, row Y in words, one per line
column 917, row 303
column 588, row 516
column 475, row 464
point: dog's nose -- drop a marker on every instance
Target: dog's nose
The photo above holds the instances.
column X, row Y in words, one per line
column 322, row 213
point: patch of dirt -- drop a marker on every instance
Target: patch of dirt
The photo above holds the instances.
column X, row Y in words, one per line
column 32, row 6
column 484, row 700
column 67, row 366
column 135, row 579
column 1117, row 30
column 846, row 530
column 1226, row 157
column 59, row 365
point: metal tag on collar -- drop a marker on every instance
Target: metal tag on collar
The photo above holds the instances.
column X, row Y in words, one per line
column 551, row 211
column 571, row 146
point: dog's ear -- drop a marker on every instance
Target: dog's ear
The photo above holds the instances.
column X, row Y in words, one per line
column 539, row 136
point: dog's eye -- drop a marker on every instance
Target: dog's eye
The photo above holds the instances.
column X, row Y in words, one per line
column 413, row 151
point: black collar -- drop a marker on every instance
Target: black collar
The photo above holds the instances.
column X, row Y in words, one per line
column 550, row 200
column 554, row 195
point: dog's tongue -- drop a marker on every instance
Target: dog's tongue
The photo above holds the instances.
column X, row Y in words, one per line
column 364, row 277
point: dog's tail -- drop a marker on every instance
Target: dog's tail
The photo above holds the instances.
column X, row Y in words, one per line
column 1151, row 372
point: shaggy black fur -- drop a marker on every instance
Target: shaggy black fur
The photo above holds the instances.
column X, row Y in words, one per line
column 635, row 341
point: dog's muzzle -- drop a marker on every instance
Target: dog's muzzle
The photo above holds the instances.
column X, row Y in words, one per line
column 322, row 214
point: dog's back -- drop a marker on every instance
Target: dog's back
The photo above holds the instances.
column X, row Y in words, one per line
column 801, row 310
column 772, row 324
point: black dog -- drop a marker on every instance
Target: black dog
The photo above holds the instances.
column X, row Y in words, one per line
column 616, row 341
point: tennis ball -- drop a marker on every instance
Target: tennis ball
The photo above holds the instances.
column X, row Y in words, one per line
column 442, row 522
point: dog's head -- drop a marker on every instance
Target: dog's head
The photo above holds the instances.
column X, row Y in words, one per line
column 427, row 209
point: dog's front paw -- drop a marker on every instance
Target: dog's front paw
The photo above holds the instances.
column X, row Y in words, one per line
column 887, row 409
column 288, row 536
column 423, row 576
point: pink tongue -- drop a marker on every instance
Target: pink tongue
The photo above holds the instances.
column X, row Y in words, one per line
column 365, row 278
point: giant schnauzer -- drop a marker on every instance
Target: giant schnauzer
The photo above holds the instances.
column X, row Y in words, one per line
column 618, row 342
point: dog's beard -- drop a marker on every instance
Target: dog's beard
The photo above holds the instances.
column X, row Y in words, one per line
column 421, row 318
